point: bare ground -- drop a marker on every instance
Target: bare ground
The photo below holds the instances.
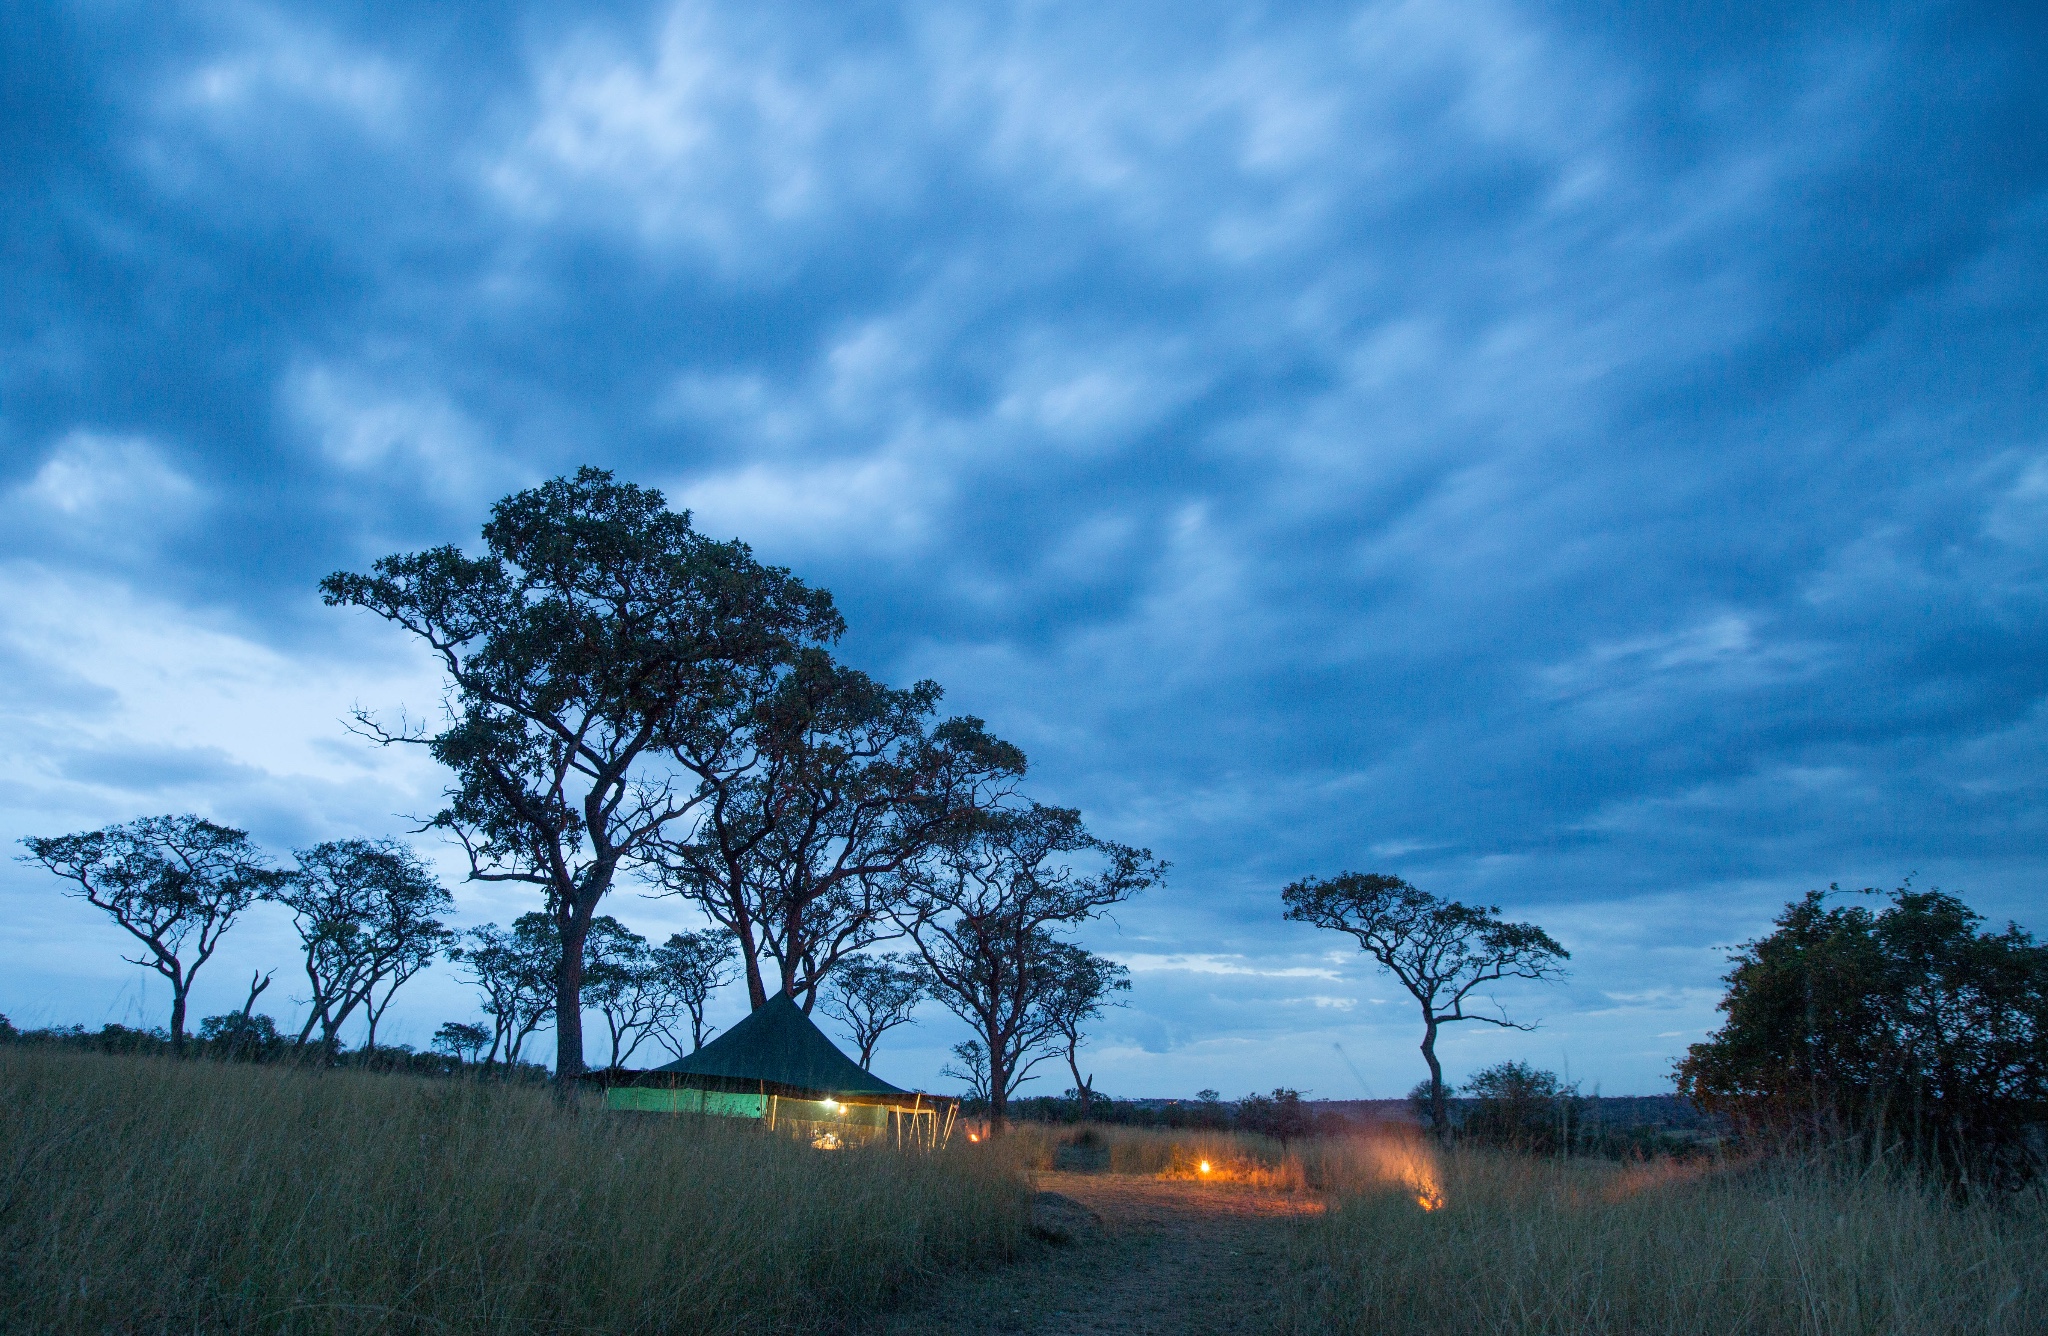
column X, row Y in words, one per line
column 1139, row 1255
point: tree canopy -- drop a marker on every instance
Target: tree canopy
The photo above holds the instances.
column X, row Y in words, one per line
column 1441, row 951
column 603, row 661
column 174, row 883
column 1907, row 1024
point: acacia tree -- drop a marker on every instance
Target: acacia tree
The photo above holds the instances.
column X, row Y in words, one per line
column 365, row 911
column 691, row 966
column 801, row 854
column 516, row 971
column 171, row 882
column 983, row 914
column 1087, row 982
column 622, row 983
column 872, row 995
column 1440, row 950
column 602, row 659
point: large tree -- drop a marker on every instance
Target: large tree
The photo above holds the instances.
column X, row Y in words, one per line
column 174, row 883
column 603, row 661
column 985, row 912
column 1908, row 1024
column 1440, row 950
column 802, row 856
column 366, row 912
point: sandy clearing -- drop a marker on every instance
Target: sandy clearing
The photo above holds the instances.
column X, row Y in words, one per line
column 1167, row 1257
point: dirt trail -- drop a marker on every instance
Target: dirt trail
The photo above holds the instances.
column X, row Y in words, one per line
column 1164, row 1257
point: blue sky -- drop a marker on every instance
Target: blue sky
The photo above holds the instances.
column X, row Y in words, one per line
column 1587, row 458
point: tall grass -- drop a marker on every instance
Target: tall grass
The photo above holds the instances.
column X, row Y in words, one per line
column 1527, row 1245
column 141, row 1194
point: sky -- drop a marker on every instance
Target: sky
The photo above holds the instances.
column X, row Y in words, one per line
column 1582, row 458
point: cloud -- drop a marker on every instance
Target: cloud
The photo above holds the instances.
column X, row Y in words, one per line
column 1584, row 463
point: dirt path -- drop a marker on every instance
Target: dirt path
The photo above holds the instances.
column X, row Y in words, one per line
column 1155, row 1257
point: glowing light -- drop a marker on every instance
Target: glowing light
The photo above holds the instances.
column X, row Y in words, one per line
column 831, row 1103
column 1205, row 1166
column 971, row 1136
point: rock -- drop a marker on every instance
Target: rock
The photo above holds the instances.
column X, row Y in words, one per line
column 1060, row 1219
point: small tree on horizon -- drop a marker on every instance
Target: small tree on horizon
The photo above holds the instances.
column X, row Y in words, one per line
column 872, row 995
column 692, row 966
column 366, row 913
column 168, row 881
column 516, row 971
column 983, row 914
column 1087, row 982
column 1439, row 950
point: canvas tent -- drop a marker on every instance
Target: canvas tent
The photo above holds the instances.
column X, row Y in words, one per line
column 777, row 1066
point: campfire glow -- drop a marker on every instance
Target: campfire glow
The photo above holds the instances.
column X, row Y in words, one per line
column 1205, row 1166
column 1406, row 1160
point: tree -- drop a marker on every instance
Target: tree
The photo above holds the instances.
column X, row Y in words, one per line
column 603, row 659
column 171, row 882
column 1280, row 1115
column 1521, row 1107
column 982, row 915
column 622, row 982
column 461, row 1040
column 801, row 854
column 1086, row 983
column 970, row 1064
column 691, row 966
column 516, row 970
column 365, row 911
column 872, row 995
column 1908, row 1026
column 1440, row 950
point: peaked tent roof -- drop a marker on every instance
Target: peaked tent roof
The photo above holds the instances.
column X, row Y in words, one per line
column 779, row 1045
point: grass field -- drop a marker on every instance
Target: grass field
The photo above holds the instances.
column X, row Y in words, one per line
column 142, row 1195
column 138, row 1194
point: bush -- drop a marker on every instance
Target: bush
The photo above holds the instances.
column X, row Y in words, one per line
column 1906, row 1028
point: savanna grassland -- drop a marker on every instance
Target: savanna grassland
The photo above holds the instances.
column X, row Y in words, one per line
column 145, row 1195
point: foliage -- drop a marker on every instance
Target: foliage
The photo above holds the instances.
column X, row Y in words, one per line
column 462, row 1040
column 171, row 882
column 1520, row 1107
column 1439, row 950
column 242, row 1037
column 801, row 854
column 516, row 971
column 365, row 912
column 1280, row 1115
column 983, row 915
column 603, row 659
column 1908, row 1026
column 1087, row 983
column 872, row 995
column 691, row 966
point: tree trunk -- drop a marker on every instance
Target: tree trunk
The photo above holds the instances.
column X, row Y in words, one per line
column 178, row 989
column 575, row 928
column 998, row 1093
column 1439, row 1110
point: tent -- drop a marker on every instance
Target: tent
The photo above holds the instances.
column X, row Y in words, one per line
column 777, row 1066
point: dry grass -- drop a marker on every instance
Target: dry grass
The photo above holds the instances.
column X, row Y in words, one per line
column 1542, row 1246
column 146, row 1195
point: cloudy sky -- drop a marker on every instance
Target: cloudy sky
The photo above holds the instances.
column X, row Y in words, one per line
column 1587, row 458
